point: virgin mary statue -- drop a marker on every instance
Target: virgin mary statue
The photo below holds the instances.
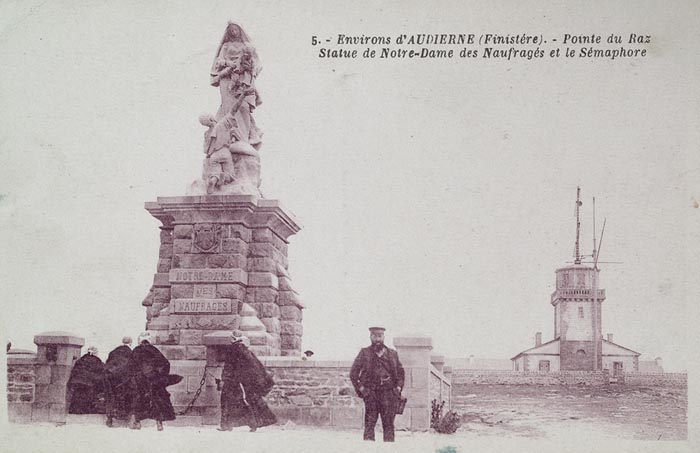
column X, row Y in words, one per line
column 235, row 68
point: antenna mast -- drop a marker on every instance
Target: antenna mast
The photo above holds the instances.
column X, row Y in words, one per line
column 577, row 253
column 596, row 306
column 594, row 239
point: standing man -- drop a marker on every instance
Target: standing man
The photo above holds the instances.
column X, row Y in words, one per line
column 378, row 377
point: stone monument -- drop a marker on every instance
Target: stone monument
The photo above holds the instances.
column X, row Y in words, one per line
column 223, row 255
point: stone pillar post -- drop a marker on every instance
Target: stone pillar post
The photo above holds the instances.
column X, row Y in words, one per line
column 211, row 397
column 56, row 354
column 414, row 353
column 447, row 371
column 438, row 361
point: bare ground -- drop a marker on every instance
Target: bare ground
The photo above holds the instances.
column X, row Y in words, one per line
column 625, row 412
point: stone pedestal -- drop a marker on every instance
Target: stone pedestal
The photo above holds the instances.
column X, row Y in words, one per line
column 414, row 353
column 222, row 266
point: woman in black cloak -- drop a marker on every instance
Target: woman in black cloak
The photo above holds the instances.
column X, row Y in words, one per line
column 150, row 371
column 245, row 383
column 85, row 384
column 118, row 389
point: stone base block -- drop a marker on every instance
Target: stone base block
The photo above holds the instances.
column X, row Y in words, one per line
column 262, row 350
column 286, row 413
column 190, row 337
column 187, row 367
column 19, row 412
column 347, row 417
column 205, row 322
column 58, row 412
column 259, row 338
column 40, row 412
column 173, row 352
column 272, row 325
column 42, row 374
column 419, row 377
column 417, row 397
column 52, row 393
column 196, row 352
column 211, row 416
column 420, row 419
column 316, row 416
column 180, row 398
column 403, row 421
column 179, row 387
column 291, row 342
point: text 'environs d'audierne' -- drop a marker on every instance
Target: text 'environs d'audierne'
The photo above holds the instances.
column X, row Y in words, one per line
column 491, row 46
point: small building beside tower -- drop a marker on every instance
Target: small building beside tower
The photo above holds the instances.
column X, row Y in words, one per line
column 578, row 343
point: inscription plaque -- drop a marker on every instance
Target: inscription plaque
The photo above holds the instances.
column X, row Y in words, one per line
column 202, row 306
column 205, row 291
column 208, row 276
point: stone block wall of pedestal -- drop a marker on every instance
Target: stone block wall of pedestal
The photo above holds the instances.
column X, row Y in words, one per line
column 221, row 255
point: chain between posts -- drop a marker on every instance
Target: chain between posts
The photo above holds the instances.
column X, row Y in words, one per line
column 197, row 393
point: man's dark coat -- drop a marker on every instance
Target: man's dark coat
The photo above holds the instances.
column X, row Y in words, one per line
column 359, row 373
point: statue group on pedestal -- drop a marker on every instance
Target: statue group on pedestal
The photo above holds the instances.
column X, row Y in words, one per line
column 232, row 140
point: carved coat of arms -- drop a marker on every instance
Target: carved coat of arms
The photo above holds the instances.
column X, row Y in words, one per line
column 207, row 236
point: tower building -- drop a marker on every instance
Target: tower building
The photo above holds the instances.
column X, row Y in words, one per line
column 578, row 343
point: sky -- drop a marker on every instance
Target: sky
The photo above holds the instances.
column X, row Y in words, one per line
column 436, row 197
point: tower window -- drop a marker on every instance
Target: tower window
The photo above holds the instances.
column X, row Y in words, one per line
column 580, row 312
column 580, row 352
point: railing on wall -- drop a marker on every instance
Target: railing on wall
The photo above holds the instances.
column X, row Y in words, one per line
column 440, row 388
column 576, row 293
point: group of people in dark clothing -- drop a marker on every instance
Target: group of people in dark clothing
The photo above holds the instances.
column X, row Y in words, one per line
column 134, row 384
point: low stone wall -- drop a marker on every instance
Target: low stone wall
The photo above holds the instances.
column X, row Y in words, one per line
column 21, row 386
column 485, row 377
column 656, row 379
column 307, row 392
column 529, row 377
column 313, row 392
column 36, row 382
